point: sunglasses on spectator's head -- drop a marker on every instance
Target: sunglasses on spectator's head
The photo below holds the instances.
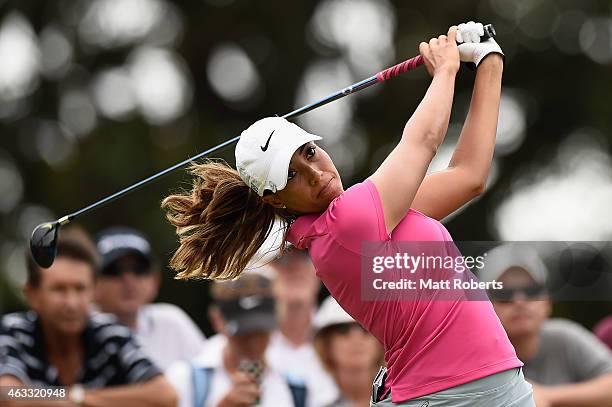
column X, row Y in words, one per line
column 140, row 268
column 345, row 328
column 529, row 292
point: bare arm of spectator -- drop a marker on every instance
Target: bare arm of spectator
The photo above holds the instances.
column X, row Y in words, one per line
column 156, row 392
column 145, row 385
column 592, row 393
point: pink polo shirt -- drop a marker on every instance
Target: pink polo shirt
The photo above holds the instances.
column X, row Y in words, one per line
column 429, row 345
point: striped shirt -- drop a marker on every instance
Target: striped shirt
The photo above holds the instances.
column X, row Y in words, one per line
column 111, row 354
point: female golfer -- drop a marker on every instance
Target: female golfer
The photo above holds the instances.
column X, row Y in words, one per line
column 438, row 353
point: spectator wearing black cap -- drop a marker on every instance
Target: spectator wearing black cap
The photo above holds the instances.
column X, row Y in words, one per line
column 58, row 342
column 567, row 365
column 236, row 373
column 127, row 284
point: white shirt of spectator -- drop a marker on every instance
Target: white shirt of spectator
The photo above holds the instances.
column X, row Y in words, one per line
column 274, row 388
column 304, row 363
column 167, row 334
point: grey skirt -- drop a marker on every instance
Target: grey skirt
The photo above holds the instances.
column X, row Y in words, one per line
column 504, row 389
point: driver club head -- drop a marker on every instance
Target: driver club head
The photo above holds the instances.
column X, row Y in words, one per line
column 43, row 243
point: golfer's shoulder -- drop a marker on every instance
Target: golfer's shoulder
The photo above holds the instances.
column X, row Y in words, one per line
column 355, row 201
column 356, row 215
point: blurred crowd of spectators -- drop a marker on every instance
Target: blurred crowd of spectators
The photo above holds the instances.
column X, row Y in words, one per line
column 92, row 325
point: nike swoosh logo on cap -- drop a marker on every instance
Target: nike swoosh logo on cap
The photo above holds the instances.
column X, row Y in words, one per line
column 265, row 147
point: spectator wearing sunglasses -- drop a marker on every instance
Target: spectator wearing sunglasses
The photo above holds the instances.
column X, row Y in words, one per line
column 566, row 364
column 126, row 286
column 348, row 352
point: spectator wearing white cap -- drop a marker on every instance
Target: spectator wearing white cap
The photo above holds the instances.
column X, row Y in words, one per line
column 567, row 365
column 295, row 288
column 348, row 352
column 126, row 285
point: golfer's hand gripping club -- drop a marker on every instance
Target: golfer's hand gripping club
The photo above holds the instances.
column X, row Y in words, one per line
column 472, row 49
column 488, row 31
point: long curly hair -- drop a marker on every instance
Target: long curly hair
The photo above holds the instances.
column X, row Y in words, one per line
column 221, row 223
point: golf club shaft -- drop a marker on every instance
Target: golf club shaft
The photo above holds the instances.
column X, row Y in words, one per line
column 379, row 77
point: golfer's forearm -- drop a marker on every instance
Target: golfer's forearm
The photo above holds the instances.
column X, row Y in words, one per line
column 593, row 393
column 474, row 151
column 429, row 122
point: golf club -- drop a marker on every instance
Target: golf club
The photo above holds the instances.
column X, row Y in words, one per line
column 43, row 243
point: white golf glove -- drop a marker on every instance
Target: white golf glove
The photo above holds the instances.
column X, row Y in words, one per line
column 471, row 50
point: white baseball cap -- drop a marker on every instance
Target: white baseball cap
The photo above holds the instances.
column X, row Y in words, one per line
column 331, row 313
column 264, row 151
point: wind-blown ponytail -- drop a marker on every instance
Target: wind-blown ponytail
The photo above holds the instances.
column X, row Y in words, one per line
column 221, row 223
